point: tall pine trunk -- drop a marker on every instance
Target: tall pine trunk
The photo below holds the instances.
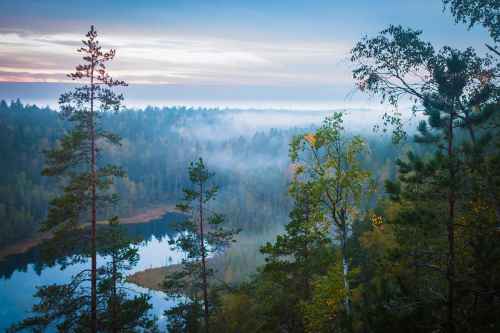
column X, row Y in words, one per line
column 94, row 215
column 203, row 263
column 77, row 155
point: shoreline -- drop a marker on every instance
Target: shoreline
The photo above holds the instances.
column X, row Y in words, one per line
column 141, row 217
column 150, row 278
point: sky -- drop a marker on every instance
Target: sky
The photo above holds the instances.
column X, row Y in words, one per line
column 256, row 53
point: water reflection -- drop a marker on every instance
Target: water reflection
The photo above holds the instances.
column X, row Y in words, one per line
column 20, row 274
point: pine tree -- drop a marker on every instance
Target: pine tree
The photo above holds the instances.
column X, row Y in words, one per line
column 76, row 159
column 199, row 237
column 67, row 308
column 484, row 12
column 297, row 257
column 456, row 92
column 117, row 312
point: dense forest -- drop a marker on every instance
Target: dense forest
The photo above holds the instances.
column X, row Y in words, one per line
column 380, row 233
column 252, row 168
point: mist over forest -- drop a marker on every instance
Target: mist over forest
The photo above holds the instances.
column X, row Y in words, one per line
column 250, row 167
column 247, row 149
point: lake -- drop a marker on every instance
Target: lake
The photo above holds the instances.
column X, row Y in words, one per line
column 20, row 274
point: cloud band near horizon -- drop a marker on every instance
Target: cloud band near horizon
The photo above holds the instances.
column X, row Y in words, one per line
column 31, row 57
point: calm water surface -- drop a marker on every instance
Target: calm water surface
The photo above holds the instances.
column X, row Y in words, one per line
column 20, row 274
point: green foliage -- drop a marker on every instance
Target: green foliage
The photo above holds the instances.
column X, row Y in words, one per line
column 199, row 238
column 237, row 313
column 74, row 159
column 423, row 258
column 384, row 63
column 457, row 92
column 185, row 317
column 331, row 163
column 472, row 12
column 426, row 256
column 156, row 178
column 325, row 311
column 24, row 133
column 67, row 308
column 297, row 257
column 252, row 196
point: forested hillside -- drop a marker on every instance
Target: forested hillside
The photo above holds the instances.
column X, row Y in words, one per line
column 278, row 221
column 252, row 166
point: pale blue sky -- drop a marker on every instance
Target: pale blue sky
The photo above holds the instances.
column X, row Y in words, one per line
column 279, row 48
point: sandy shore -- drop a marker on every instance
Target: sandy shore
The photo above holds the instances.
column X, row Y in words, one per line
column 142, row 217
column 25, row 245
column 150, row 278
column 146, row 216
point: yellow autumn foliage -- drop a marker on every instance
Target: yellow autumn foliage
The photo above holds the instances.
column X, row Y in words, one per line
column 297, row 168
column 377, row 220
column 311, row 139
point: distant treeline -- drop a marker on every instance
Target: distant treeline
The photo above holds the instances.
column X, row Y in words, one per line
column 252, row 169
